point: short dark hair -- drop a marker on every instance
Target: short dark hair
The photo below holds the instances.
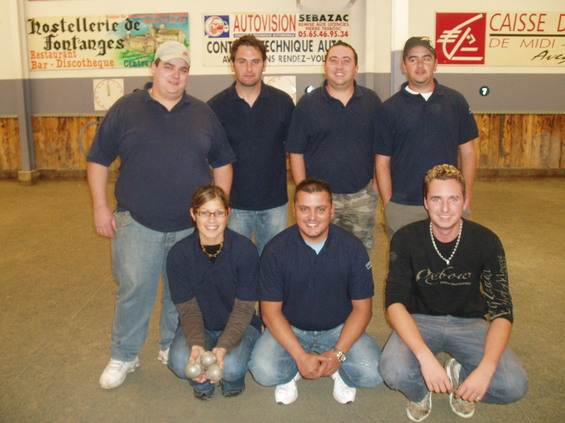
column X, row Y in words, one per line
column 443, row 172
column 250, row 41
column 344, row 44
column 208, row 193
column 311, row 185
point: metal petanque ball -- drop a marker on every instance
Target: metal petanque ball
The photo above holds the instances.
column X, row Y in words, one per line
column 193, row 371
column 214, row 373
column 207, row 359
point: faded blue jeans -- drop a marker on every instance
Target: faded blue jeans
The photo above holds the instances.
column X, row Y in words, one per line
column 464, row 339
column 139, row 257
column 272, row 365
column 236, row 362
column 264, row 223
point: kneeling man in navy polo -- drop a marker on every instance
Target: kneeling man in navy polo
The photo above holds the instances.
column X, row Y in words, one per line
column 316, row 289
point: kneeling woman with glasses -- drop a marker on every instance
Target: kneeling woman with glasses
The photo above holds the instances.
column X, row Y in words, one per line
column 213, row 278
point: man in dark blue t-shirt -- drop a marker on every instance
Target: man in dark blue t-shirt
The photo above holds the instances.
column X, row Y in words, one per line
column 167, row 141
column 331, row 137
column 422, row 125
column 316, row 289
column 256, row 117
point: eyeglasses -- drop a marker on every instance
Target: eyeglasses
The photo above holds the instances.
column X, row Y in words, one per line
column 208, row 213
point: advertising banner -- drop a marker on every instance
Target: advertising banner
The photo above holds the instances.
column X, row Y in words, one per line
column 501, row 38
column 297, row 39
column 101, row 42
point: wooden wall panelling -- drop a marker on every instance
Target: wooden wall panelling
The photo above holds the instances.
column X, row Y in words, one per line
column 56, row 141
column 506, row 142
column 556, row 151
column 520, row 141
column 10, row 149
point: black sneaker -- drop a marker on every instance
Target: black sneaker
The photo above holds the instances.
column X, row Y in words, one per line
column 234, row 393
column 203, row 396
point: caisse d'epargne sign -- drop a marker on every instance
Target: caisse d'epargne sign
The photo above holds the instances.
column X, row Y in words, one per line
column 501, row 38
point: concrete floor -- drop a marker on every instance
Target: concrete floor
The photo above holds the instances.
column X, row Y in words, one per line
column 57, row 304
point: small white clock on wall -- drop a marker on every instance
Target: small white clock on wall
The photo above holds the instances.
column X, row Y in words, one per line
column 106, row 91
column 287, row 83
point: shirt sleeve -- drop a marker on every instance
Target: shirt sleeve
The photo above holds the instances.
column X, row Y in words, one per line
column 105, row 147
column 178, row 271
column 270, row 277
column 362, row 285
column 248, row 273
column 287, row 115
column 494, row 281
column 192, row 323
column 220, row 153
column 468, row 129
column 238, row 322
column 400, row 275
column 384, row 136
column 297, row 139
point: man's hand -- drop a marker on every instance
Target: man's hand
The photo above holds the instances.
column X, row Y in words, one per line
column 220, row 353
column 195, row 353
column 475, row 386
column 310, row 365
column 332, row 365
column 105, row 222
column 434, row 375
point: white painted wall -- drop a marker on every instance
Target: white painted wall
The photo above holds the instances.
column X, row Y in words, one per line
column 10, row 65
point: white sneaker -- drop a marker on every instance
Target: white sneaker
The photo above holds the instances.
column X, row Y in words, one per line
column 343, row 393
column 115, row 372
column 419, row 411
column 163, row 356
column 462, row 408
column 287, row 393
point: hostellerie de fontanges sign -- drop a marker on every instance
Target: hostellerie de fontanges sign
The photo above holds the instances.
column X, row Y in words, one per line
column 101, row 42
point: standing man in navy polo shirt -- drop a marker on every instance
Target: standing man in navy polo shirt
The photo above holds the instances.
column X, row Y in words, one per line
column 332, row 137
column 316, row 290
column 167, row 141
column 256, row 119
column 423, row 125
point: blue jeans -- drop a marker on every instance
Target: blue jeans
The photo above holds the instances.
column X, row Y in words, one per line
column 272, row 365
column 139, row 257
column 264, row 223
column 464, row 339
column 236, row 362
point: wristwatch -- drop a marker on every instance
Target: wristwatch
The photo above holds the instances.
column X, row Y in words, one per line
column 339, row 354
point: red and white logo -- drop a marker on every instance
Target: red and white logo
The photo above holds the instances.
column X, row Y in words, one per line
column 216, row 26
column 460, row 38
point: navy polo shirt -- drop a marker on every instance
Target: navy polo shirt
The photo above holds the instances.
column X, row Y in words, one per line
column 257, row 135
column 316, row 289
column 419, row 135
column 165, row 156
column 214, row 284
column 337, row 141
